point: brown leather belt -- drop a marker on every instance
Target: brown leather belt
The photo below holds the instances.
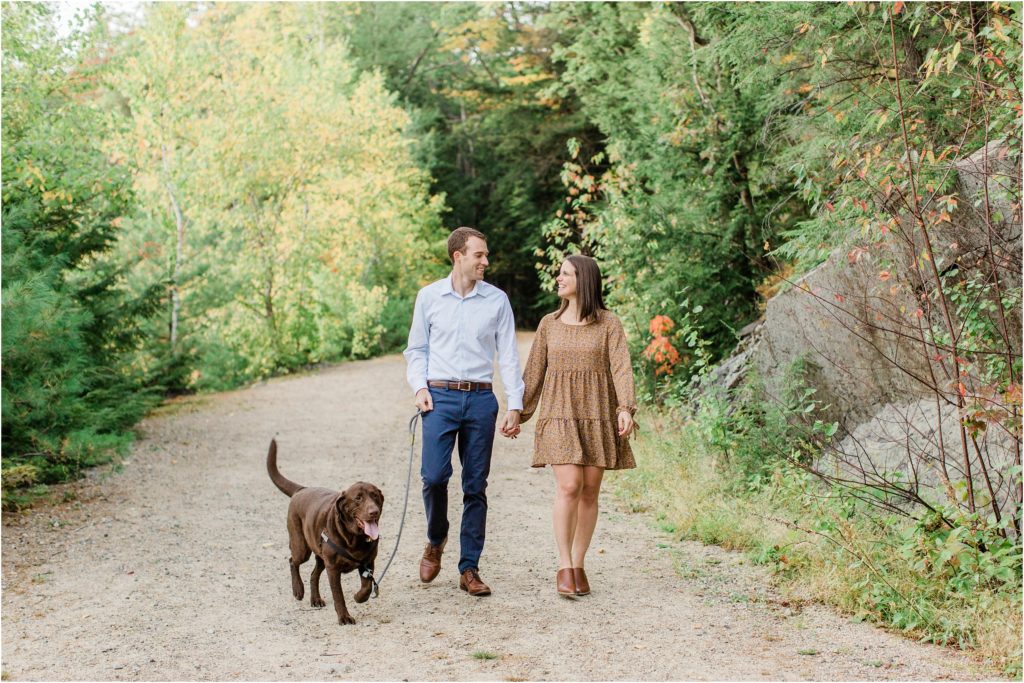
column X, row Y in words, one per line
column 459, row 385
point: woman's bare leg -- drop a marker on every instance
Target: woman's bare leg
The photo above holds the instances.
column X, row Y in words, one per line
column 569, row 485
column 586, row 514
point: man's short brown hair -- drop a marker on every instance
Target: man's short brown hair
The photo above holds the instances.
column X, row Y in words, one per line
column 457, row 240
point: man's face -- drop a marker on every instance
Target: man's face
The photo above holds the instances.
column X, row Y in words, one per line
column 472, row 261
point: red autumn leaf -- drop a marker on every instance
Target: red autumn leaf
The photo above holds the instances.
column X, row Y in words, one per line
column 884, row 275
column 989, row 55
column 897, row 8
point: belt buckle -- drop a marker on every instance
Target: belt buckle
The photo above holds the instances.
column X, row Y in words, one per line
column 467, row 384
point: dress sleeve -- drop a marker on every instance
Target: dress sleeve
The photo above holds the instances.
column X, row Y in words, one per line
column 621, row 368
column 536, row 368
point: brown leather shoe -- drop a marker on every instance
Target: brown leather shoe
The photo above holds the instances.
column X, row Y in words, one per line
column 471, row 583
column 430, row 565
column 566, row 582
column 582, row 585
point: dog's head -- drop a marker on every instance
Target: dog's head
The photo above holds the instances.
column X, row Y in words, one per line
column 359, row 507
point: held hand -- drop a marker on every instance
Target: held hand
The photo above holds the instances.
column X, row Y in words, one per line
column 510, row 425
column 424, row 401
column 626, row 424
column 511, row 433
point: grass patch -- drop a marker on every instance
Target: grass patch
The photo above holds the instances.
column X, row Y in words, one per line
column 708, row 476
column 21, row 498
column 483, row 655
column 27, row 478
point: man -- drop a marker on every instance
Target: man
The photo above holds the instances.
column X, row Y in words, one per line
column 459, row 324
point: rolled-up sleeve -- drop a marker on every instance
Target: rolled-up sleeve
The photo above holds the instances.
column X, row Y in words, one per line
column 508, row 356
column 418, row 348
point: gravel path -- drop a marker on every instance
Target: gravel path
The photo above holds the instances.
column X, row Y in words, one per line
column 175, row 568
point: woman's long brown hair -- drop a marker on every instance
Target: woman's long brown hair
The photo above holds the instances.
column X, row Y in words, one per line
column 589, row 301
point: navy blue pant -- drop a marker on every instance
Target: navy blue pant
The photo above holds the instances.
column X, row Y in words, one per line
column 469, row 416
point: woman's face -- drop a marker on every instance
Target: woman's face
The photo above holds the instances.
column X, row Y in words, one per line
column 566, row 281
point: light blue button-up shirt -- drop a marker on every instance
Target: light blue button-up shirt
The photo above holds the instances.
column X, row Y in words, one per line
column 456, row 338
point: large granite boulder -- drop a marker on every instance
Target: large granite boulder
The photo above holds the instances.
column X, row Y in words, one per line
column 854, row 324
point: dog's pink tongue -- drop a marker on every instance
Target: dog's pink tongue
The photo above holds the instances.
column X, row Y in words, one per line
column 371, row 530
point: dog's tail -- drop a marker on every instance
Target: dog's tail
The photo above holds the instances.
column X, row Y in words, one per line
column 287, row 486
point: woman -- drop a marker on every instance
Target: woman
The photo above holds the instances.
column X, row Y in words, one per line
column 579, row 364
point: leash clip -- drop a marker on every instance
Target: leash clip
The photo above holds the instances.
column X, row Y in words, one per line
column 367, row 573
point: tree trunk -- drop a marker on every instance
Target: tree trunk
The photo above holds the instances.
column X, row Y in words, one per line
column 179, row 253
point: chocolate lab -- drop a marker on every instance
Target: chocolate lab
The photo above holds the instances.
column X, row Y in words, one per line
column 339, row 527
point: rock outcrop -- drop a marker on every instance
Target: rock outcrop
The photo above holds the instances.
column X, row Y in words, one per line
column 857, row 323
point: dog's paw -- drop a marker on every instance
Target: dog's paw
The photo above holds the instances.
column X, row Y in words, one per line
column 362, row 595
column 346, row 618
column 317, row 602
column 298, row 592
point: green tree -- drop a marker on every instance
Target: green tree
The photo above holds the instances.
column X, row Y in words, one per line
column 484, row 93
column 284, row 178
column 694, row 195
column 70, row 388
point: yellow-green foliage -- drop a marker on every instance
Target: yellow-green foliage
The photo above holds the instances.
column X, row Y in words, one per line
column 879, row 568
column 304, row 210
column 20, row 475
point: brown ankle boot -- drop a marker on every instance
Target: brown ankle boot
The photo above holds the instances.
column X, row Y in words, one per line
column 471, row 583
column 566, row 582
column 582, row 585
column 430, row 565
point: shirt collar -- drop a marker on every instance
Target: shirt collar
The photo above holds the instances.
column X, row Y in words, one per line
column 476, row 291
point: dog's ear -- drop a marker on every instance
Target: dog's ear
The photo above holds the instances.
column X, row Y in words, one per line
column 340, row 504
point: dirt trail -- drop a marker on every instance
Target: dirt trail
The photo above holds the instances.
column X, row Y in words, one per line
column 176, row 569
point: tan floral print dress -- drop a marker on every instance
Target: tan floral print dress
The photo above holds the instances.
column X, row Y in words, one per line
column 581, row 377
